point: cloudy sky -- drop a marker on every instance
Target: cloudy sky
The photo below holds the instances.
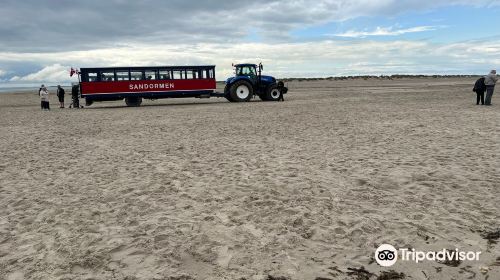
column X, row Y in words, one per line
column 41, row 40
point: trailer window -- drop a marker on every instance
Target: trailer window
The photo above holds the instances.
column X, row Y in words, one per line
column 151, row 75
column 92, row 76
column 136, row 75
column 197, row 74
column 107, row 76
column 165, row 75
column 178, row 74
column 190, row 75
column 122, row 76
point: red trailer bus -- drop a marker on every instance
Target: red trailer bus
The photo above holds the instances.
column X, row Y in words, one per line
column 135, row 83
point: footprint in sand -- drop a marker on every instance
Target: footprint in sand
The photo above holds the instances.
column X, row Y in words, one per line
column 224, row 256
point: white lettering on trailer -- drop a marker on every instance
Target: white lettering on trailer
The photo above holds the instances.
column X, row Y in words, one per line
column 151, row 86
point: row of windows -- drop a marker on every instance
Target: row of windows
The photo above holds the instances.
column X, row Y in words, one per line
column 137, row 75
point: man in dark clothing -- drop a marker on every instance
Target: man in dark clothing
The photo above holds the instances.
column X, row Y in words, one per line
column 281, row 98
column 281, row 88
column 74, row 97
column 479, row 89
column 60, row 95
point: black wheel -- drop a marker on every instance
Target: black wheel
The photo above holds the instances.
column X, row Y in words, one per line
column 133, row 101
column 88, row 102
column 240, row 91
column 272, row 93
column 227, row 93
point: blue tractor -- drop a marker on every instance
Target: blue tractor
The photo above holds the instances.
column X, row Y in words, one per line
column 249, row 82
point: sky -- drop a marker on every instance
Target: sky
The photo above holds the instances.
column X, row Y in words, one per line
column 41, row 40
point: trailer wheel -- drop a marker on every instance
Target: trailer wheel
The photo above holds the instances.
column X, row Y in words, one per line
column 273, row 93
column 88, row 102
column 133, row 101
column 241, row 91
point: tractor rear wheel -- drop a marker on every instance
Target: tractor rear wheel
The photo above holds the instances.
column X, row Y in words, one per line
column 133, row 101
column 272, row 93
column 241, row 91
column 227, row 92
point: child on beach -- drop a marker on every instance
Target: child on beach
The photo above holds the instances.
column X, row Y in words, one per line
column 44, row 98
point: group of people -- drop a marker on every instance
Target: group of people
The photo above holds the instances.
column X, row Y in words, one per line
column 485, row 84
column 43, row 92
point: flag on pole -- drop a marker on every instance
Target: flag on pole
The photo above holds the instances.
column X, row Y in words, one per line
column 73, row 72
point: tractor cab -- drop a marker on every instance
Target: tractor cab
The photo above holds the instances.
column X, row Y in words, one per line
column 249, row 81
column 249, row 70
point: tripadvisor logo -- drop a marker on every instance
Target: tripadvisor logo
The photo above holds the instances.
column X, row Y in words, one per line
column 387, row 255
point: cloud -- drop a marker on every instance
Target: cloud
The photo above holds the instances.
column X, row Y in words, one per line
column 53, row 73
column 385, row 31
column 44, row 26
column 304, row 59
column 42, row 38
column 2, row 72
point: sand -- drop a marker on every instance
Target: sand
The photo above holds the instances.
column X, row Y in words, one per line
column 207, row 189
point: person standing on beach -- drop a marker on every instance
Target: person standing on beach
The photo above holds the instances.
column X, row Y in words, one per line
column 44, row 97
column 479, row 89
column 60, row 95
column 490, row 80
column 74, row 96
column 40, row 95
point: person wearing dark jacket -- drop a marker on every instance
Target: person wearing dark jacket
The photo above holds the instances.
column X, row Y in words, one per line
column 60, row 95
column 479, row 89
column 74, row 96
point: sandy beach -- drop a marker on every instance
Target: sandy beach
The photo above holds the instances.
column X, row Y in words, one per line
column 206, row 189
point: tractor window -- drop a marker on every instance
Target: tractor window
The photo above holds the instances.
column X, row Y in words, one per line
column 246, row 71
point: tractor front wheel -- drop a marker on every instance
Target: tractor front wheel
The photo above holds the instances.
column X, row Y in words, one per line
column 241, row 91
column 273, row 93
